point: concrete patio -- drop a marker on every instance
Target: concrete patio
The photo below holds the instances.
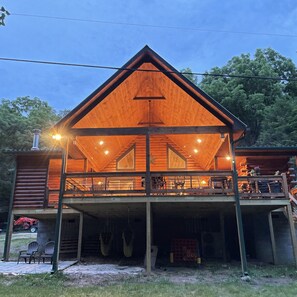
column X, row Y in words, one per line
column 25, row 268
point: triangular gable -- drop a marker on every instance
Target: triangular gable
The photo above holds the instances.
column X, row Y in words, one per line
column 147, row 55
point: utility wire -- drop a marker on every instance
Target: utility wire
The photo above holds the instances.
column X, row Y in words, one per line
column 153, row 26
column 146, row 70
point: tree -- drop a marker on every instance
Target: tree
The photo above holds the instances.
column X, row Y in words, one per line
column 3, row 14
column 187, row 72
column 251, row 99
column 18, row 118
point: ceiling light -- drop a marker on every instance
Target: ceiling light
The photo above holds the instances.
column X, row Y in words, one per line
column 106, row 152
column 199, row 140
column 195, row 151
column 101, row 142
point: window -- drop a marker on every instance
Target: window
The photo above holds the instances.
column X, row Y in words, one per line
column 127, row 160
column 175, row 159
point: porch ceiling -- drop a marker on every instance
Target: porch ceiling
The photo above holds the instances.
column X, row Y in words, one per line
column 146, row 99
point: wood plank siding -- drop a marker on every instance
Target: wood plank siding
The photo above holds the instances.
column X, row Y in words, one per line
column 31, row 179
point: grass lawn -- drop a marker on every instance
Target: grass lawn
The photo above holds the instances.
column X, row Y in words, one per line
column 19, row 242
column 212, row 279
column 48, row 285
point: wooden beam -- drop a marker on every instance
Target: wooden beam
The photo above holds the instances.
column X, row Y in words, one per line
column 8, row 238
column 241, row 240
column 10, row 215
column 59, row 216
column 292, row 232
column 148, row 239
column 80, row 233
column 148, row 165
column 150, row 130
column 157, row 199
column 222, row 224
column 272, row 238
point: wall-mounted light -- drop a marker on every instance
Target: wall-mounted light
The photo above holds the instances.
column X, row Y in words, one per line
column 199, row 140
column 101, row 142
column 106, row 152
column 57, row 136
column 228, row 158
column 195, row 151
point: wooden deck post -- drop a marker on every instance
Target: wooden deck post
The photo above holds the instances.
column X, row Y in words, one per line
column 58, row 225
column 222, row 224
column 292, row 232
column 238, row 210
column 272, row 238
column 148, row 239
column 9, row 227
column 8, row 237
column 80, row 232
column 148, row 165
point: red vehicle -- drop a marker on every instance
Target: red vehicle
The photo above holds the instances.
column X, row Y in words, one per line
column 24, row 223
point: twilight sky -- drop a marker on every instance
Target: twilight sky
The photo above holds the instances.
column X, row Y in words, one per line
column 199, row 34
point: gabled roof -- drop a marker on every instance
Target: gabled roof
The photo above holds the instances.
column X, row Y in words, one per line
column 147, row 55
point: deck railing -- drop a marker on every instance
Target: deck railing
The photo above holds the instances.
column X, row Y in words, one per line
column 263, row 187
column 190, row 183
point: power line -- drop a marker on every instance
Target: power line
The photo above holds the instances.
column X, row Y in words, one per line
column 154, row 26
column 146, row 70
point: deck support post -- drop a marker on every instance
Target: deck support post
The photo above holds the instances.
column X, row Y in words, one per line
column 292, row 232
column 272, row 238
column 10, row 218
column 148, row 166
column 8, row 237
column 80, row 232
column 148, row 239
column 58, row 225
column 238, row 210
column 222, row 224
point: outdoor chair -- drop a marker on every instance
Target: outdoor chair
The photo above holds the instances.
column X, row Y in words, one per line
column 29, row 253
column 48, row 252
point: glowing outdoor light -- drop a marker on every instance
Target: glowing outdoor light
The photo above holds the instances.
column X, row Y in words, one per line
column 101, row 142
column 195, row 151
column 106, row 152
column 57, row 136
column 228, row 158
column 199, row 140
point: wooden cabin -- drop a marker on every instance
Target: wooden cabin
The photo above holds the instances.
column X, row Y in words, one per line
column 148, row 162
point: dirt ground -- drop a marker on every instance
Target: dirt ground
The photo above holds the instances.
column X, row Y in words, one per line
column 87, row 274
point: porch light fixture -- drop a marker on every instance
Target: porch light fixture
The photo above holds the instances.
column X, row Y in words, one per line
column 199, row 140
column 196, row 151
column 106, row 152
column 101, row 142
column 228, row 158
column 57, row 136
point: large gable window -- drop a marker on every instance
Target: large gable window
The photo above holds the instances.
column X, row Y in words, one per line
column 175, row 159
column 127, row 160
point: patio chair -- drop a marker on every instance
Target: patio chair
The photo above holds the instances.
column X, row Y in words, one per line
column 29, row 253
column 48, row 252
